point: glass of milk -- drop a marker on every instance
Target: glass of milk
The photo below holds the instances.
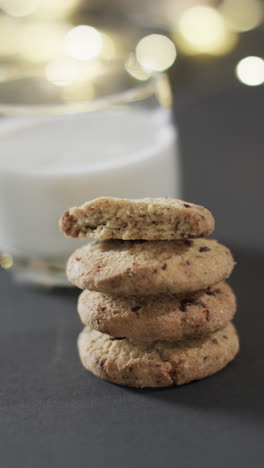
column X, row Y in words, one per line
column 56, row 154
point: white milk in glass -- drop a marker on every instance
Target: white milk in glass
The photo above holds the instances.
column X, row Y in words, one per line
column 50, row 164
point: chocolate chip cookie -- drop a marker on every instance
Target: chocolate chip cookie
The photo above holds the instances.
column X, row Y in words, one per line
column 159, row 364
column 146, row 219
column 140, row 268
column 164, row 317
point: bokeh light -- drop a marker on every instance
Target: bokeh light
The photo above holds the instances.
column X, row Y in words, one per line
column 109, row 47
column 156, row 52
column 242, row 15
column 9, row 28
column 83, row 43
column 63, row 71
column 19, row 8
column 56, row 9
column 41, row 42
column 250, row 71
column 134, row 69
column 202, row 30
column 41, row 9
column 6, row 261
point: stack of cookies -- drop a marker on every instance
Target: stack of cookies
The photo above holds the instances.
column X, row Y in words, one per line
column 155, row 304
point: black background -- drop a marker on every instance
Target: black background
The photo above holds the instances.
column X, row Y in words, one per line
column 54, row 413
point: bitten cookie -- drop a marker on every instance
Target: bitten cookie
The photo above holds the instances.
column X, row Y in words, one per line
column 156, row 318
column 147, row 219
column 125, row 268
column 161, row 364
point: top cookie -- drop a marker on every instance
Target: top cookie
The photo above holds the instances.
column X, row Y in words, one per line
column 145, row 219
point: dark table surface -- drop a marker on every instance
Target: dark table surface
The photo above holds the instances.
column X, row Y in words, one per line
column 55, row 414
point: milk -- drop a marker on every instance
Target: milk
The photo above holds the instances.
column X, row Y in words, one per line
column 49, row 164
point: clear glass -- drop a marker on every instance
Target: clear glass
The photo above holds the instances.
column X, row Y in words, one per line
column 57, row 152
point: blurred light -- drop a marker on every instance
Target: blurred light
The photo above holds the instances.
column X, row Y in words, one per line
column 19, row 7
column 155, row 52
column 41, row 42
column 202, row 30
column 134, row 69
column 250, row 71
column 242, row 15
column 67, row 71
column 83, row 43
column 56, row 9
column 92, row 70
column 63, row 72
column 6, row 261
column 109, row 50
column 9, row 28
column 41, row 9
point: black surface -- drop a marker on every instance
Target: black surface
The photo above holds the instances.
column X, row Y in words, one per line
column 55, row 414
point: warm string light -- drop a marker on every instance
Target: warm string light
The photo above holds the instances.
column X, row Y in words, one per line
column 242, row 15
column 63, row 71
column 83, row 43
column 155, row 52
column 6, row 261
column 41, row 42
column 67, row 52
column 109, row 47
column 134, row 69
column 202, row 30
column 66, row 71
column 86, row 51
column 41, row 9
column 19, row 8
column 250, row 71
column 70, row 55
column 9, row 28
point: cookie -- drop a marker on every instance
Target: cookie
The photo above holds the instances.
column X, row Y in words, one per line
column 125, row 268
column 161, row 364
column 146, row 219
column 156, row 318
